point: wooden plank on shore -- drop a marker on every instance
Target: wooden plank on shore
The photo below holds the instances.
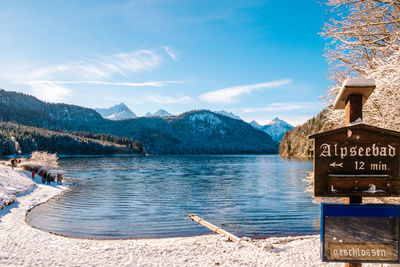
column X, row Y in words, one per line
column 213, row 228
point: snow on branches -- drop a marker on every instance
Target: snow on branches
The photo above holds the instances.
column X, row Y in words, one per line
column 365, row 41
column 41, row 160
column 360, row 31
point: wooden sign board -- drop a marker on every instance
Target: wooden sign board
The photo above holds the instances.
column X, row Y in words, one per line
column 360, row 233
column 357, row 160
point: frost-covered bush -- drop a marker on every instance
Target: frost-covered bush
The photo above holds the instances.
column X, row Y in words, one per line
column 40, row 160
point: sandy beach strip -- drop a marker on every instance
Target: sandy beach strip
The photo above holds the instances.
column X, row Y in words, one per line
column 22, row 245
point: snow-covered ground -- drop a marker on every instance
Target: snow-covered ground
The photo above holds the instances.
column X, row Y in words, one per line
column 22, row 245
column 13, row 182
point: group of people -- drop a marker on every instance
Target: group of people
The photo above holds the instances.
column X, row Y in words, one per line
column 14, row 162
column 47, row 177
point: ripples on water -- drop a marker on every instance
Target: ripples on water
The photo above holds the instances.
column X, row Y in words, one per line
column 142, row 197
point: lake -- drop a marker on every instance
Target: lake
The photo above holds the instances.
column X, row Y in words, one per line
column 147, row 197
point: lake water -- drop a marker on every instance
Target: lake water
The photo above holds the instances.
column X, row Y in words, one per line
column 145, row 197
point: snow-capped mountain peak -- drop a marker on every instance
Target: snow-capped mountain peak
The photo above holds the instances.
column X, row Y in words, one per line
column 162, row 113
column 279, row 122
column 228, row 114
column 255, row 125
column 277, row 129
column 158, row 113
column 116, row 112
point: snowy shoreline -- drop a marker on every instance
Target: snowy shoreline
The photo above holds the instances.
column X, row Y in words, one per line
column 23, row 245
column 75, row 156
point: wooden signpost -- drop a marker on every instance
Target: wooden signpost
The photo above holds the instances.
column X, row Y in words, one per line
column 357, row 161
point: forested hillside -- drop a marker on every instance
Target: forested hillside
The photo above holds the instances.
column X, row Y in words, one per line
column 195, row 132
column 19, row 139
column 295, row 142
column 29, row 110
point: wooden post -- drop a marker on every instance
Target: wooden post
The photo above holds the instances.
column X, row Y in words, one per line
column 353, row 108
column 353, row 112
column 354, row 93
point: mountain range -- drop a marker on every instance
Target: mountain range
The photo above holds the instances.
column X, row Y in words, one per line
column 122, row 112
column 228, row 114
column 276, row 128
column 117, row 112
column 194, row 132
column 158, row 113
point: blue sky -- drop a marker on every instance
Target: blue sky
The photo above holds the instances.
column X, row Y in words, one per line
column 257, row 59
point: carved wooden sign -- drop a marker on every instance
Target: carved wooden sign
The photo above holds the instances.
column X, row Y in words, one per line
column 360, row 233
column 357, row 160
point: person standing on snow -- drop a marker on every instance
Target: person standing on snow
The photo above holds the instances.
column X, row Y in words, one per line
column 48, row 178
column 44, row 175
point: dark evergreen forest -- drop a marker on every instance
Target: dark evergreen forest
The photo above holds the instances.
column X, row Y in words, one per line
column 19, row 139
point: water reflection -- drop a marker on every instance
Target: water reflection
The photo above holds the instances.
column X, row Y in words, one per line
column 152, row 196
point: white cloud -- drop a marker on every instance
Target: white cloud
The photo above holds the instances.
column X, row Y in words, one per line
column 46, row 82
column 152, row 98
column 170, row 52
column 95, row 68
column 128, row 84
column 160, row 99
column 49, row 91
column 287, row 107
column 231, row 94
column 125, row 63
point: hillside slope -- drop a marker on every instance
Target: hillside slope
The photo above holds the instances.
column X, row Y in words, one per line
column 295, row 143
column 19, row 139
column 195, row 132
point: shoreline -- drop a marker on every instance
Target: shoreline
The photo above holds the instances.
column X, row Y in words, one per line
column 150, row 238
column 23, row 245
column 76, row 156
column 147, row 155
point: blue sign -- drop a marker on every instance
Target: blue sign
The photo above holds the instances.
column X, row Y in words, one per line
column 360, row 233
